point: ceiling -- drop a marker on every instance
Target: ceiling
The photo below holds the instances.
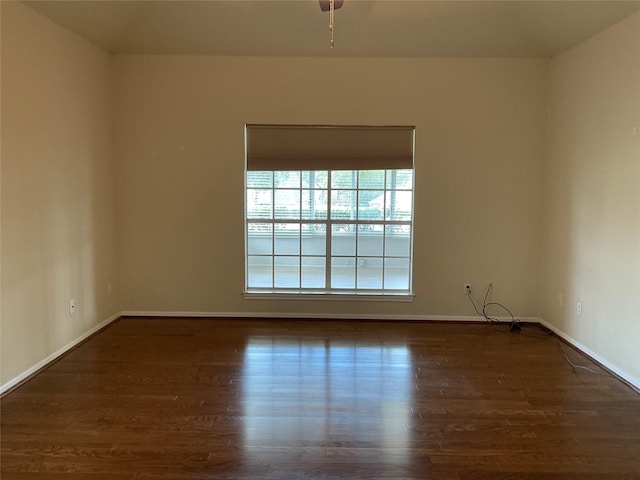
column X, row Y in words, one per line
column 366, row 28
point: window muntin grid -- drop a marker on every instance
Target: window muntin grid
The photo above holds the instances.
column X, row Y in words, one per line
column 329, row 231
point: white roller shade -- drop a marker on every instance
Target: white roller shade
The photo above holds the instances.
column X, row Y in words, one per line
column 310, row 147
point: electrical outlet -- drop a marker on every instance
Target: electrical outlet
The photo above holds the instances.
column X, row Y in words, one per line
column 467, row 289
column 72, row 306
column 579, row 309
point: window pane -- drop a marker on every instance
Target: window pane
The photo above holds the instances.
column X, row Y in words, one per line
column 314, row 204
column 287, row 272
column 259, row 272
column 370, row 273
column 287, row 239
column 397, row 241
column 259, row 238
column 286, row 179
column 370, row 239
column 259, row 179
column 343, row 272
column 399, row 205
column 317, row 179
column 396, row 273
column 371, row 179
column 259, row 203
column 343, row 239
column 400, row 179
column 287, row 204
column 344, row 178
column 343, row 204
column 314, row 239
column 370, row 205
column 313, row 272
column 365, row 253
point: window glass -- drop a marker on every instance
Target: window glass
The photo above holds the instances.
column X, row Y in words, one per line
column 333, row 231
column 343, row 272
column 343, row 239
column 344, row 179
column 371, row 179
column 314, row 204
column 371, row 204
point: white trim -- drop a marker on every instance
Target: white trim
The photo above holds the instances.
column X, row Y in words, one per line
column 361, row 297
column 58, row 353
column 613, row 368
column 320, row 316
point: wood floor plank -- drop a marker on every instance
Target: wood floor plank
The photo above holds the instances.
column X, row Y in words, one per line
column 177, row 399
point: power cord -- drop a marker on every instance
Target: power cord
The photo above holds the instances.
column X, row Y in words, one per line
column 574, row 366
column 514, row 325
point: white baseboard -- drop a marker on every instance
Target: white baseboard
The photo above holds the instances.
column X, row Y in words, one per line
column 634, row 382
column 27, row 373
column 321, row 316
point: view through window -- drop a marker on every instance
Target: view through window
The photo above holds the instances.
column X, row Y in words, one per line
column 329, row 230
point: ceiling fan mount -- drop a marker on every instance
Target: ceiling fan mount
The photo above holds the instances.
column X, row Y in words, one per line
column 325, row 5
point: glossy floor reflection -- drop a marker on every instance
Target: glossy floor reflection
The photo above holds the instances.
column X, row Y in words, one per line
column 314, row 396
column 231, row 399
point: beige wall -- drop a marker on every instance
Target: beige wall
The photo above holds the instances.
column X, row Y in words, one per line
column 58, row 207
column 592, row 241
column 480, row 130
column 172, row 198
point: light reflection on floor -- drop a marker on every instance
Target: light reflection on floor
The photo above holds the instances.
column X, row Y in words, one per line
column 311, row 397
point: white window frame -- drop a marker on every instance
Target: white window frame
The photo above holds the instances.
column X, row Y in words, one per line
column 329, row 291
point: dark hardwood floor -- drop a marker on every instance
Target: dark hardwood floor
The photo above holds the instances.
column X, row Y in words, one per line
column 178, row 399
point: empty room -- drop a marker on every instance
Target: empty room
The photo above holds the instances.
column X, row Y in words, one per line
column 335, row 239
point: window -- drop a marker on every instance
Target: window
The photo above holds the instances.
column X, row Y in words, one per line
column 329, row 230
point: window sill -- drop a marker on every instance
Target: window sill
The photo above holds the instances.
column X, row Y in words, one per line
column 330, row 296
